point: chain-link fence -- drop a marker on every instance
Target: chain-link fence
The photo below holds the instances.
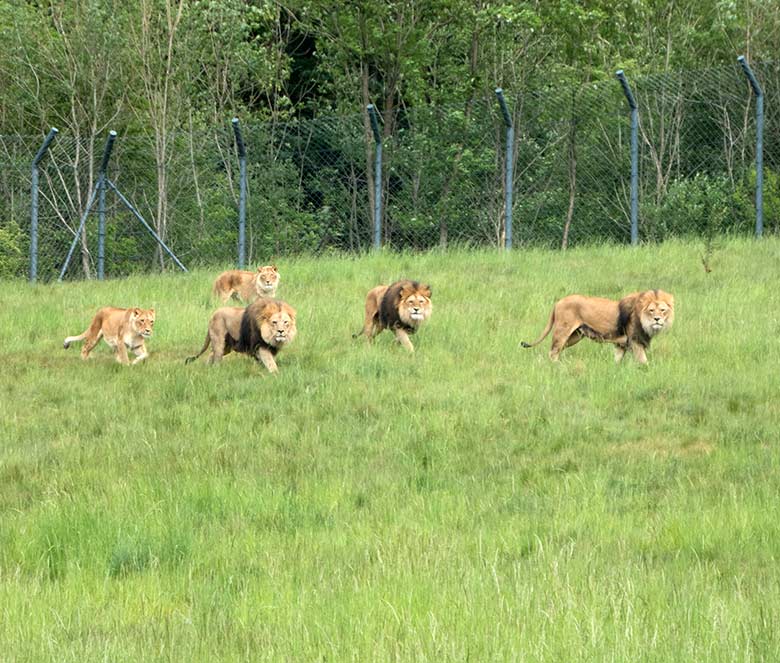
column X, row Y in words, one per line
column 310, row 183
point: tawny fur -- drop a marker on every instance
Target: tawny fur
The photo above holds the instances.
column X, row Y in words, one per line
column 247, row 285
column 260, row 330
column 630, row 323
column 120, row 328
column 402, row 307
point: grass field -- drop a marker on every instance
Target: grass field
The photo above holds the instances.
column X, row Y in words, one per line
column 471, row 501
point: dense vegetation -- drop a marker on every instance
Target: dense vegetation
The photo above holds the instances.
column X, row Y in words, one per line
column 158, row 65
column 470, row 501
column 168, row 75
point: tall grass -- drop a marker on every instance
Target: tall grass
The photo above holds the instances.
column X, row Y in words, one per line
column 471, row 501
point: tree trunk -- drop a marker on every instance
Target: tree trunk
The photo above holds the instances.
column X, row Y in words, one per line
column 572, row 178
column 369, row 143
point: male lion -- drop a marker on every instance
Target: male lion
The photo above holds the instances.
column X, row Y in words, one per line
column 245, row 285
column 121, row 328
column 630, row 323
column 402, row 307
column 261, row 330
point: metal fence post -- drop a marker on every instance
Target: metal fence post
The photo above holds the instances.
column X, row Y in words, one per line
column 510, row 142
column 634, row 156
column 102, row 205
column 242, row 194
column 377, row 176
column 34, row 203
column 759, row 144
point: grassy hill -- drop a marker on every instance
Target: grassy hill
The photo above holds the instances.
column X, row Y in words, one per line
column 470, row 501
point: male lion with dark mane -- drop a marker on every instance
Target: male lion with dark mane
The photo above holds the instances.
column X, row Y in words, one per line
column 631, row 322
column 121, row 328
column 246, row 285
column 260, row 330
column 402, row 307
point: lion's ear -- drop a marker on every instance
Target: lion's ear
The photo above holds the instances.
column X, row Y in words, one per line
column 268, row 310
column 275, row 268
column 151, row 312
column 136, row 312
column 259, row 269
column 426, row 290
column 290, row 311
column 405, row 291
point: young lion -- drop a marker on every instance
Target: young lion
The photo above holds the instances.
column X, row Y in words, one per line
column 630, row 323
column 261, row 330
column 121, row 328
column 247, row 286
column 402, row 307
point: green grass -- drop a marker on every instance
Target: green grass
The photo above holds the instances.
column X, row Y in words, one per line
column 471, row 501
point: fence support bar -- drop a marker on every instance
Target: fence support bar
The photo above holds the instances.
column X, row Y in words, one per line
column 377, row 176
column 34, row 203
column 634, row 156
column 80, row 229
column 510, row 141
column 242, row 193
column 759, row 143
column 102, row 205
column 138, row 216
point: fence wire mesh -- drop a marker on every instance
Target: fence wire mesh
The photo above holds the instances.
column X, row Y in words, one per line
column 697, row 137
column 443, row 182
column 311, row 182
column 308, row 188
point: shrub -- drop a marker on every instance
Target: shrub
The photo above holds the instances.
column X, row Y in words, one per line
column 12, row 253
column 700, row 206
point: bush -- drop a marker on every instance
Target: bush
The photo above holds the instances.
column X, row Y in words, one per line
column 701, row 206
column 747, row 191
column 12, row 253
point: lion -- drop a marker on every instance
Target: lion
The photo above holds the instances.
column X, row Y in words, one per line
column 247, row 285
column 631, row 322
column 121, row 328
column 402, row 307
column 261, row 329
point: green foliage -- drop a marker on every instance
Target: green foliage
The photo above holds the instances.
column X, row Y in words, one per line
column 94, row 63
column 746, row 194
column 13, row 256
column 440, row 164
column 169, row 82
column 705, row 206
column 696, row 206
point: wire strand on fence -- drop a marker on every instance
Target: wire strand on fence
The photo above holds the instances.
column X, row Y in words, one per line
column 310, row 182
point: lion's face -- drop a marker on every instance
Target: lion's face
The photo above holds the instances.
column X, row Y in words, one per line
column 267, row 278
column 277, row 324
column 415, row 306
column 142, row 321
column 656, row 311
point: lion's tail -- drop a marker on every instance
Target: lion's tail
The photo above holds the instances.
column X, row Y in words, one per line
column 74, row 339
column 544, row 333
column 202, row 350
column 93, row 331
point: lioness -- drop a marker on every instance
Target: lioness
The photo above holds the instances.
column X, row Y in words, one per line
column 121, row 328
column 629, row 323
column 261, row 330
column 402, row 307
column 246, row 285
